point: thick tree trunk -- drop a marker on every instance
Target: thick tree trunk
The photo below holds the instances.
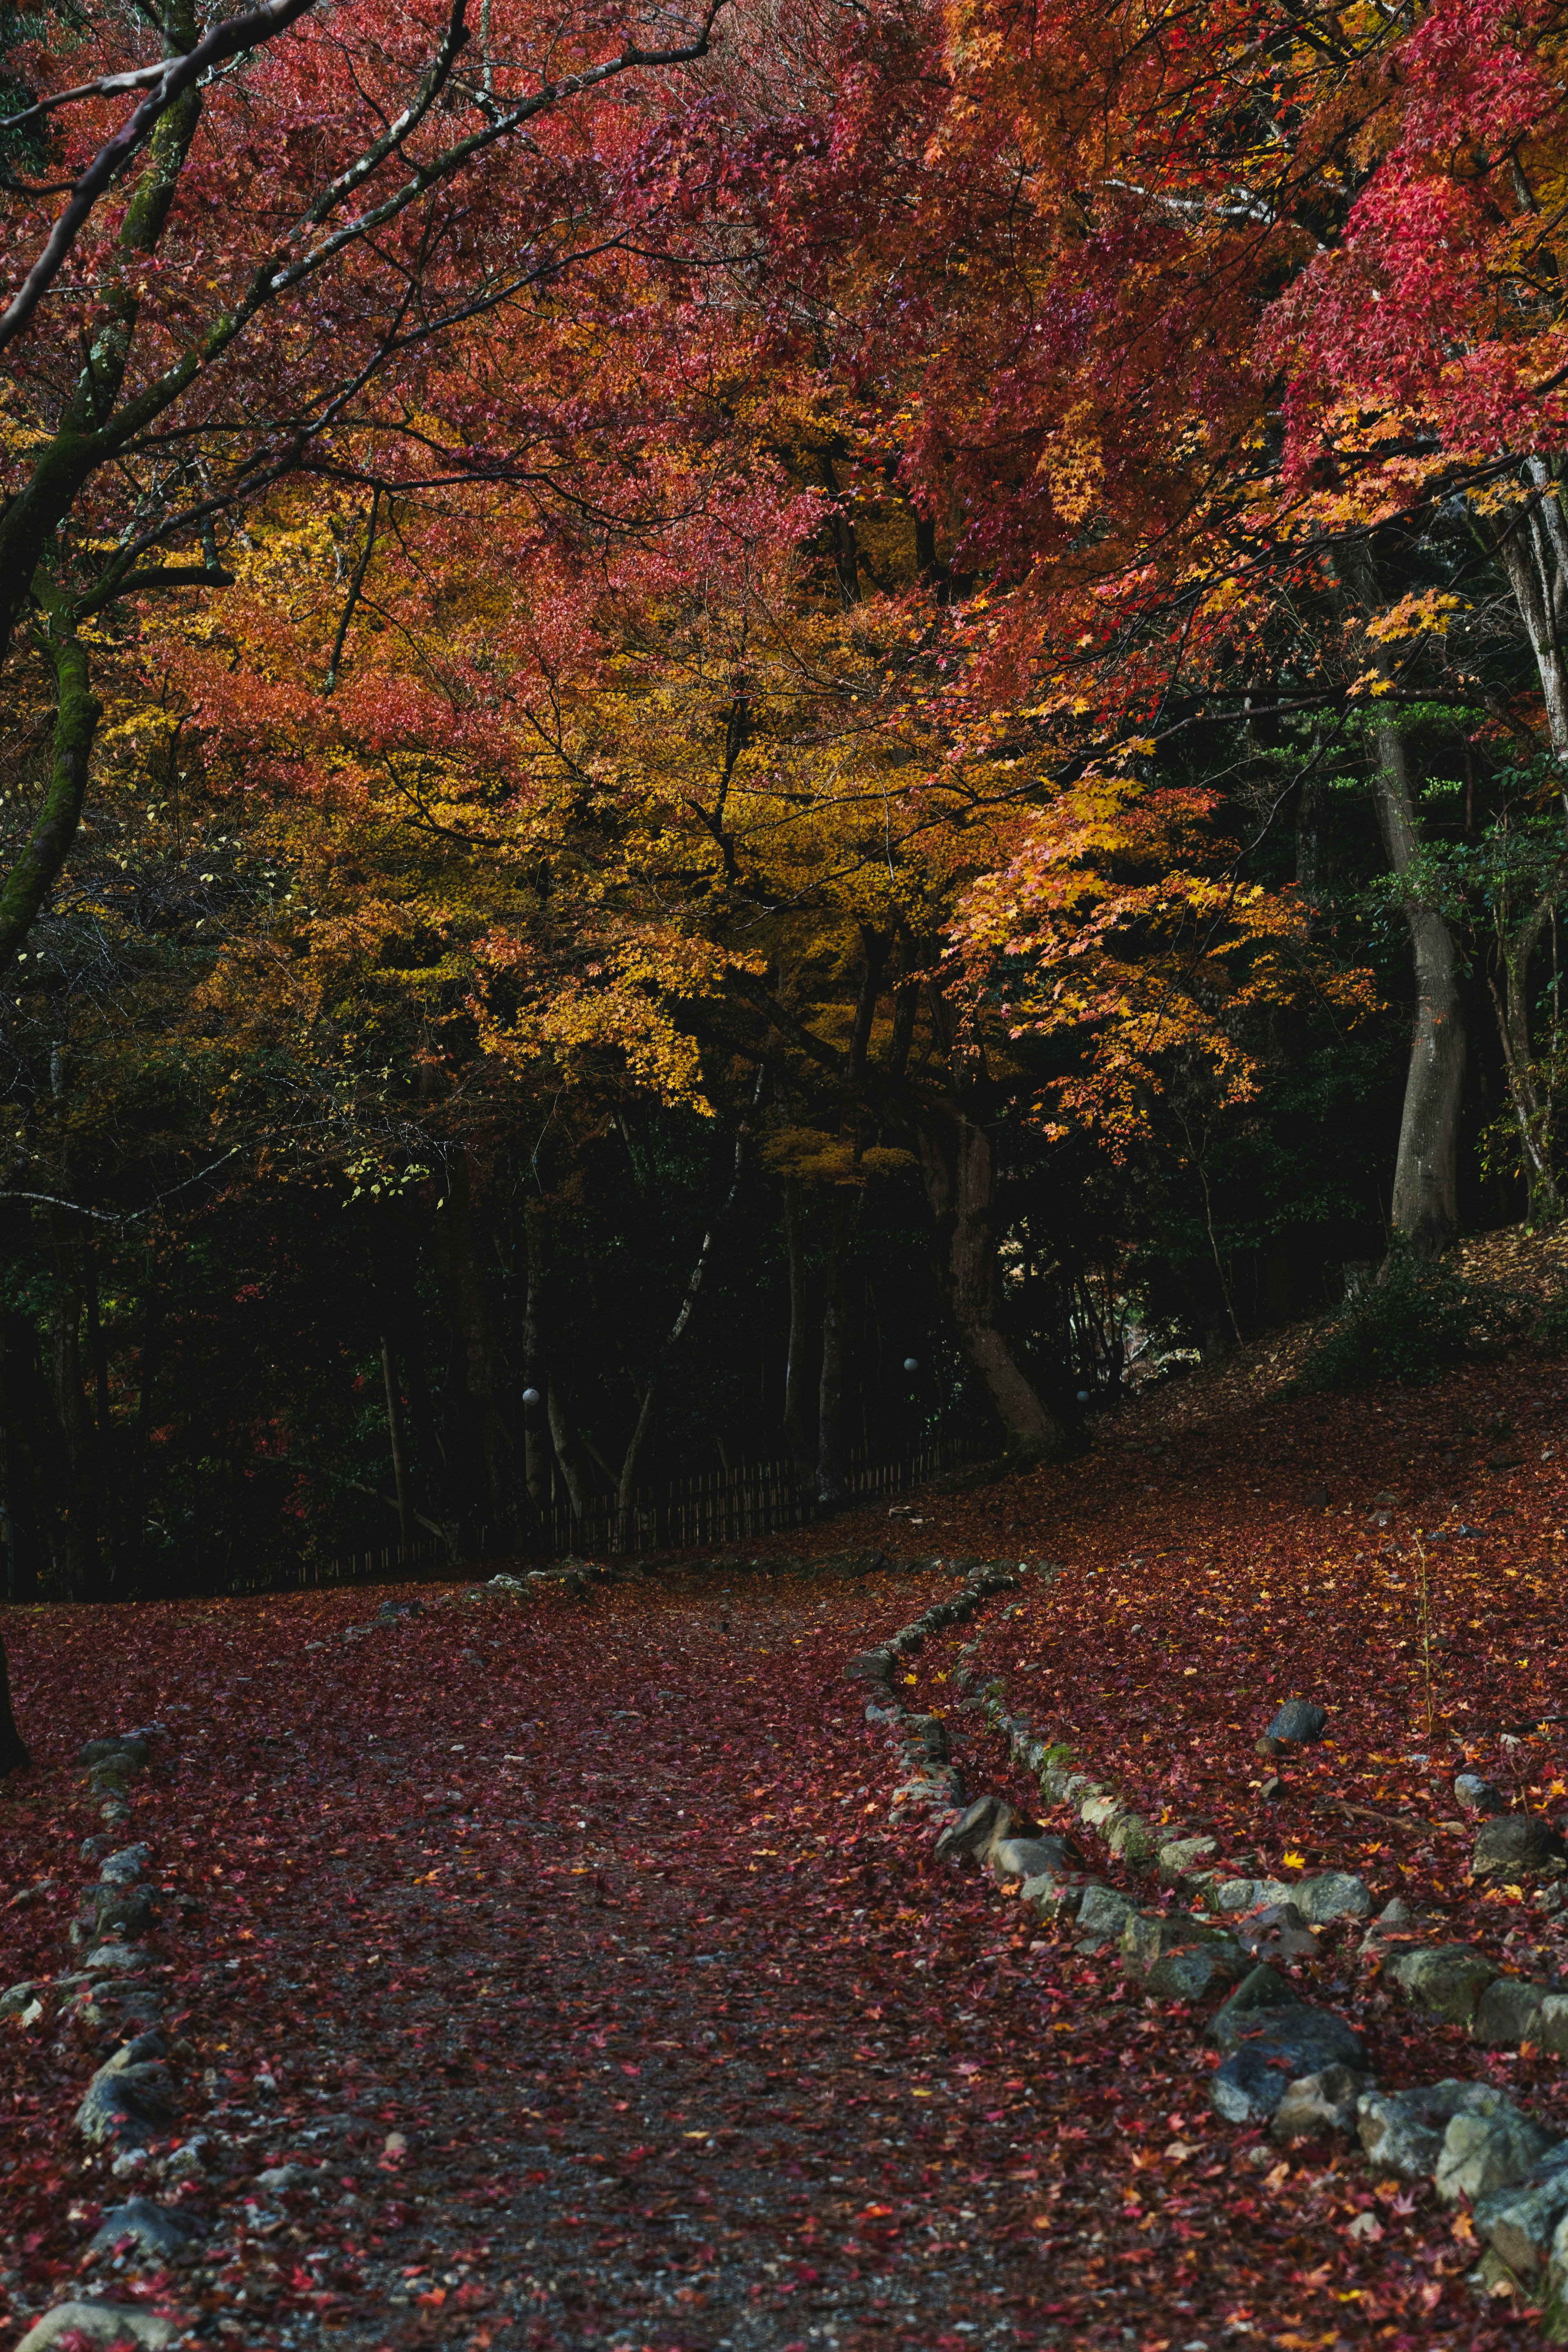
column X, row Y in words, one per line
column 1426, row 1205
column 797, row 1434
column 960, row 1172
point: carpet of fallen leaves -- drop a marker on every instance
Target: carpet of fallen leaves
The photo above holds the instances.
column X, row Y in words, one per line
column 565, row 1951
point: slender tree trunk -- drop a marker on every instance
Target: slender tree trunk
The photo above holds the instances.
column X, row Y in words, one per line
column 1530, row 1093
column 394, row 1438
column 535, row 1417
column 568, row 1453
column 960, row 1172
column 14, row 1754
column 134, row 1522
column 834, row 1337
column 479, row 1462
column 107, row 1480
column 797, row 1436
column 1533, row 547
column 1425, row 1204
column 627, row 1483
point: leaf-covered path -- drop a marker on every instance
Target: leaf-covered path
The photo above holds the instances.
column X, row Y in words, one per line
column 551, row 1977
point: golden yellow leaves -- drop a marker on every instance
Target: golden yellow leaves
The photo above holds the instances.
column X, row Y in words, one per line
column 1073, row 464
column 812, row 1156
column 1428, row 612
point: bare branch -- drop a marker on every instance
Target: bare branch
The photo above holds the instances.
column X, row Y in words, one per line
column 175, row 76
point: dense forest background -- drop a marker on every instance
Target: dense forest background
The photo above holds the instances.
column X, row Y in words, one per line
column 750, row 736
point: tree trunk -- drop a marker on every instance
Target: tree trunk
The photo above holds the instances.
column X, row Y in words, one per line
column 79, row 1532
column 1426, row 1205
column 479, row 1462
column 108, row 1481
column 1533, row 547
column 14, row 1755
column 395, row 1437
column 797, row 1436
column 1529, row 1083
column 829, row 1480
column 643, row 1422
column 568, row 1453
column 535, row 1417
column 960, row 1173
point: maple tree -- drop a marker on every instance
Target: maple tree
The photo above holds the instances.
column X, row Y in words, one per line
column 788, row 696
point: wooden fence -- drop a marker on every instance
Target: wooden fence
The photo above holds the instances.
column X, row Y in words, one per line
column 720, row 1507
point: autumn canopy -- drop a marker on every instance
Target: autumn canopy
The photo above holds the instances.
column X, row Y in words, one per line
column 746, row 733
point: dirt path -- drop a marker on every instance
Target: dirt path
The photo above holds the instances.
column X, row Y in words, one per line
column 557, row 1981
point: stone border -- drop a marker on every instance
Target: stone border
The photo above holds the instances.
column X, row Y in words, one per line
column 1293, row 2068
column 113, row 1994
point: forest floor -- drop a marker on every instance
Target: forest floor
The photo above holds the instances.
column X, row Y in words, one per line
column 558, row 1963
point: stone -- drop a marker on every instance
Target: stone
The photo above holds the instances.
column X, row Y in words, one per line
column 1179, row 1857
column 1051, row 1897
column 1267, row 2014
column 124, row 1744
column 123, row 1869
column 1479, row 1796
column 1248, row 1894
column 121, row 2006
column 1507, row 2012
column 1104, row 1912
column 987, row 1819
column 1133, row 1840
column 151, row 2227
column 127, row 2100
column 100, row 2323
column 279, row 2177
column 1317, row 2104
column 1262, row 1997
column 189, row 2161
column 929, row 1733
column 1332, row 1895
column 117, row 1913
column 19, row 1996
column 1555, row 2316
column 1277, row 1932
column 1488, row 2144
column 1014, row 1857
column 1519, row 2222
column 1551, row 2030
column 1299, row 1722
column 119, row 1955
column 1395, row 1922
column 1148, row 1936
column 1402, row 2131
column 1095, row 1811
column 1443, row 1981
column 1519, row 1845
column 1250, row 2085
column 1268, row 1747
column 1193, row 1972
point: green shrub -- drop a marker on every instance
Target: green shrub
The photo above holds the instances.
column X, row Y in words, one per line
column 1410, row 1323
